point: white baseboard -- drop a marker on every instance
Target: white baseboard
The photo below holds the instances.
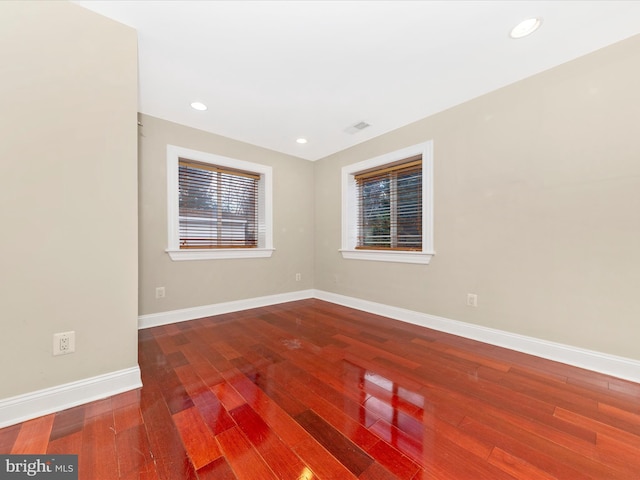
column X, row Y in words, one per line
column 182, row 315
column 49, row 400
column 619, row 367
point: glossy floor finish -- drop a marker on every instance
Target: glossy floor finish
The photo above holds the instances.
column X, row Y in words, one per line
column 311, row 390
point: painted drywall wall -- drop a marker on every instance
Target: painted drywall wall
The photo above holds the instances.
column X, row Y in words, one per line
column 537, row 201
column 68, row 193
column 209, row 282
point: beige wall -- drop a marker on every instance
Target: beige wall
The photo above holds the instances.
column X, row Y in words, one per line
column 207, row 282
column 68, row 249
column 537, row 209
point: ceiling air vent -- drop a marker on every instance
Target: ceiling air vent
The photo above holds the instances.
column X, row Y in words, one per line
column 357, row 127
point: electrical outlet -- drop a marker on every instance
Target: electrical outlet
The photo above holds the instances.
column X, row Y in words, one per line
column 298, row 277
column 472, row 300
column 160, row 292
column 64, row 343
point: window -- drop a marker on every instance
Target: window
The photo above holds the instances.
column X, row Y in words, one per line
column 387, row 208
column 218, row 207
column 390, row 206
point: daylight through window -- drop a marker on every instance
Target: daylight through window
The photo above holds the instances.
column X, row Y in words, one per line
column 389, row 200
column 218, row 207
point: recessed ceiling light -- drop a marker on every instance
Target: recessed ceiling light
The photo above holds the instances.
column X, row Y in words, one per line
column 198, row 106
column 301, row 140
column 526, row 27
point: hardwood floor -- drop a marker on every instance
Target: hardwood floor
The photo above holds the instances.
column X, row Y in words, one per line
column 311, row 390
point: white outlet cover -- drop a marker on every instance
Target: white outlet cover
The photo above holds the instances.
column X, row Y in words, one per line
column 472, row 300
column 59, row 340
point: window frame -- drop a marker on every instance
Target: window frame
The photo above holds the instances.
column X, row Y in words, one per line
column 265, row 207
column 350, row 208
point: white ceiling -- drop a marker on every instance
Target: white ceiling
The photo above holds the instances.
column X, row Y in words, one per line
column 273, row 71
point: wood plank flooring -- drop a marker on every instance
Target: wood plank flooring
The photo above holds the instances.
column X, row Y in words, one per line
column 311, row 390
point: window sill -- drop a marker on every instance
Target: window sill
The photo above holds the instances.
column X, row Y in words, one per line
column 388, row 256
column 219, row 253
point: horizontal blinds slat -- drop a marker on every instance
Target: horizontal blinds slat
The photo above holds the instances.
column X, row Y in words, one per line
column 413, row 163
column 406, row 177
column 182, row 162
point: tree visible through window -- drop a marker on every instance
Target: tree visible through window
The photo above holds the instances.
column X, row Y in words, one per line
column 218, row 206
column 390, row 206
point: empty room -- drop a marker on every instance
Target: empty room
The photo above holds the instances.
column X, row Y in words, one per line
column 320, row 240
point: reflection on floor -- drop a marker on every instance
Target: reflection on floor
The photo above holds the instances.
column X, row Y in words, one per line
column 311, row 390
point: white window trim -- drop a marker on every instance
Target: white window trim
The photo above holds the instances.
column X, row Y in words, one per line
column 265, row 207
column 350, row 208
